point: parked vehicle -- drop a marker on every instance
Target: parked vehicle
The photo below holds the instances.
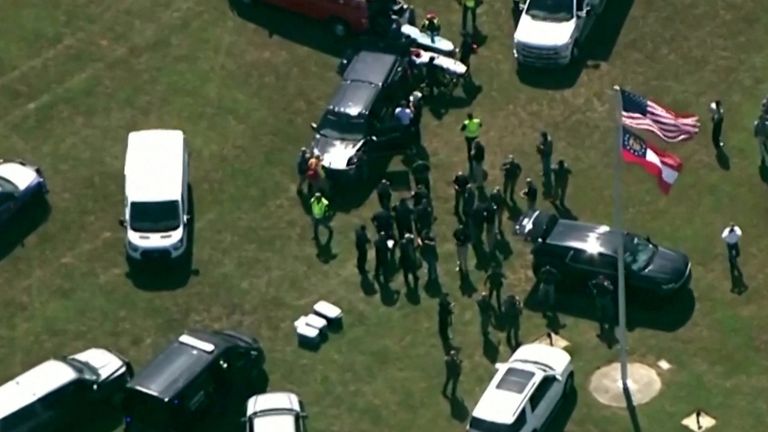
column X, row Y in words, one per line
column 526, row 391
column 550, row 33
column 344, row 17
column 156, row 195
column 194, row 377
column 581, row 251
column 56, row 394
column 20, row 185
column 275, row 412
column 360, row 117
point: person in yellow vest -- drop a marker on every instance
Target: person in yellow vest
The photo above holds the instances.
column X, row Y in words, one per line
column 320, row 213
column 469, row 7
column 471, row 128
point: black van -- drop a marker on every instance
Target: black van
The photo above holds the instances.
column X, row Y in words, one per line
column 194, row 377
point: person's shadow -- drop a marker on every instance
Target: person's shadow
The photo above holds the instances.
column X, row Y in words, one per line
column 325, row 253
column 466, row 286
column 723, row 160
column 367, row 286
column 738, row 284
column 459, row 411
column 491, row 349
column 553, row 322
column 389, row 297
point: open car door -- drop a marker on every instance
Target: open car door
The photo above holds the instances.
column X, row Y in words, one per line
column 534, row 225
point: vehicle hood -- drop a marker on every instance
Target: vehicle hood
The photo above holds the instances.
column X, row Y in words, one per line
column 553, row 357
column 107, row 363
column 335, row 153
column 274, row 423
column 668, row 266
column 155, row 240
column 273, row 401
column 20, row 175
column 532, row 31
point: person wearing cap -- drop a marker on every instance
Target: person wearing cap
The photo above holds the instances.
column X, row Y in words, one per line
column 301, row 169
column 431, row 25
column 511, row 170
column 717, row 117
column 460, row 183
column 731, row 236
column 530, row 193
column 471, row 129
column 320, row 213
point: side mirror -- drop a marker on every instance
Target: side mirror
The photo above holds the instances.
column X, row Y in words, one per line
column 374, row 139
column 187, row 218
column 121, row 222
column 313, row 125
column 304, row 415
column 95, row 387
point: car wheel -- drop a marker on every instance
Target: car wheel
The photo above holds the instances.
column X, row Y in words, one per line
column 575, row 53
column 339, row 28
column 569, row 385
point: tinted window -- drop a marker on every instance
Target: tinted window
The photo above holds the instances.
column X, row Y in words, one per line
column 7, row 186
column 515, row 380
column 592, row 261
column 638, row 253
column 541, row 392
column 551, row 10
column 6, row 197
column 154, row 217
column 337, row 125
column 489, row 426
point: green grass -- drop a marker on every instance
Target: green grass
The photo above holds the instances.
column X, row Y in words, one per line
column 77, row 76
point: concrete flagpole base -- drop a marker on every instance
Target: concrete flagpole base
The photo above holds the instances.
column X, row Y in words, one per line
column 606, row 386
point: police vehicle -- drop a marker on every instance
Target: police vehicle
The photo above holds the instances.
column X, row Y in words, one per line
column 20, row 185
column 275, row 412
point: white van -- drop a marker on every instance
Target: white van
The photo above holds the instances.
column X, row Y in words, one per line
column 156, row 194
column 58, row 392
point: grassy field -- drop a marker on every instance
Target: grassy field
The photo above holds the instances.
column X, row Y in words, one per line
column 76, row 76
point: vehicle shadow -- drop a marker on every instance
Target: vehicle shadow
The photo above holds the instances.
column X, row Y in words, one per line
column 667, row 315
column 289, row 26
column 22, row 224
column 167, row 276
column 559, row 422
column 597, row 48
column 104, row 418
column 347, row 195
column 231, row 417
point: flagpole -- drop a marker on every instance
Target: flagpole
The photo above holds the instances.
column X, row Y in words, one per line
column 618, row 226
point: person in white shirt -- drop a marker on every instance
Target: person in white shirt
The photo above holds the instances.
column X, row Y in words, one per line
column 404, row 114
column 731, row 235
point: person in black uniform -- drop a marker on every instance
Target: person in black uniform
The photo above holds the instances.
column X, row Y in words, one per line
column 419, row 196
column 466, row 49
column 382, row 258
column 460, row 183
column 452, row 373
column 545, row 149
column 420, row 171
column 511, row 170
column 602, row 292
column 462, row 239
column 384, row 194
column 383, row 221
column 513, row 309
column 445, row 319
column 423, row 216
column 716, row 109
column 485, row 308
column 494, row 281
column 561, row 174
column 490, row 217
column 497, row 200
column 478, row 158
column 302, row 166
column 547, row 280
column 530, row 193
column 409, row 262
column 403, row 218
column 476, row 223
column 429, row 255
column 432, row 77
column 361, row 245
column 468, row 204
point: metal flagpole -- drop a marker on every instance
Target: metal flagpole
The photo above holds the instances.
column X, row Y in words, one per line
column 618, row 226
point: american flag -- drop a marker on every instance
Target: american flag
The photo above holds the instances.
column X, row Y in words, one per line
column 641, row 113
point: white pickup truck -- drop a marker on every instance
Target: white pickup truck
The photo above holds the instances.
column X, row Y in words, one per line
column 549, row 32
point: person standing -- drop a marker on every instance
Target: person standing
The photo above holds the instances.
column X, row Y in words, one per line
column 469, row 10
column 498, row 202
column 466, row 50
column 315, row 174
column 429, row 255
column 420, row 172
column 462, row 238
column 381, row 249
column 718, row 116
column 320, row 213
column 419, row 196
column 485, row 308
column 423, row 217
column 403, row 218
column 404, row 115
column 545, row 148
column 530, row 193
column 562, row 174
column 302, row 166
column 547, row 281
column 468, row 204
column 361, row 245
column 478, row 157
column 445, row 319
column 409, row 262
column 383, row 221
column 452, row 373
column 490, row 214
column 431, row 25
column 384, row 194
column 731, row 236
column 460, row 183
column 760, row 132
column 513, row 309
column 471, row 129
column 476, row 221
column 494, row 281
column 511, row 170
column 603, row 293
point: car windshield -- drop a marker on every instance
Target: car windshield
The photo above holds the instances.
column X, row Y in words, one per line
column 341, row 126
column 86, row 370
column 480, row 425
column 638, row 253
column 7, row 186
column 551, row 10
column 154, row 217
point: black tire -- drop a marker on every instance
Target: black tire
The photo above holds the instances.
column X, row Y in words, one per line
column 569, row 385
column 575, row 53
column 339, row 28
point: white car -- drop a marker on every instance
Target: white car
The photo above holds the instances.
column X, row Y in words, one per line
column 156, row 194
column 525, row 392
column 58, row 392
column 549, row 32
column 275, row 412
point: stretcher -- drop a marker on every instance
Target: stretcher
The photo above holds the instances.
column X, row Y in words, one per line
column 429, row 42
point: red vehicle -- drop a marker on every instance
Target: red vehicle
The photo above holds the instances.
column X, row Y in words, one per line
column 346, row 16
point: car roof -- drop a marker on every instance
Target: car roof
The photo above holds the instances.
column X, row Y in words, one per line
column 507, row 392
column 34, row 384
column 354, row 98
column 181, row 362
column 370, row 67
column 583, row 236
column 154, row 165
column 273, row 401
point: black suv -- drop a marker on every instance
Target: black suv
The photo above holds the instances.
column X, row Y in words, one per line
column 360, row 116
column 580, row 252
column 198, row 375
